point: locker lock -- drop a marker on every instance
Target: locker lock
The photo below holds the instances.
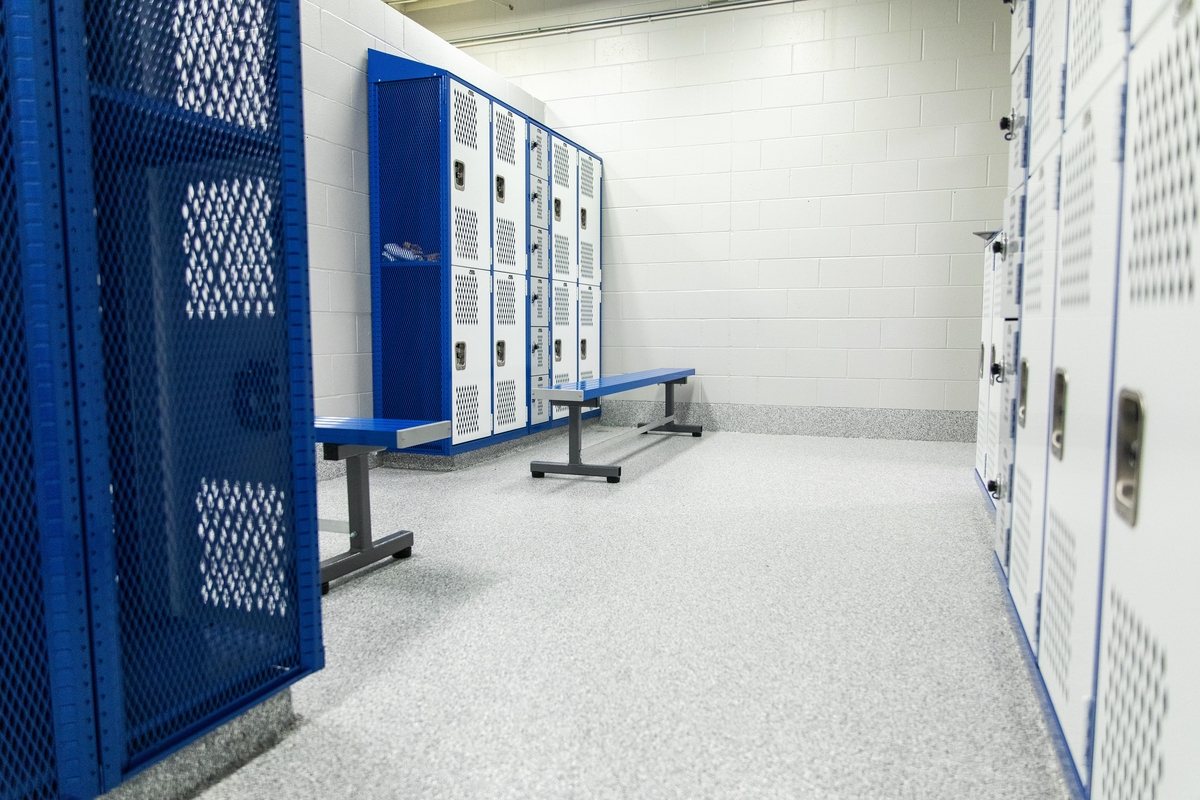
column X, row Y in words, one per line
column 499, row 188
column 1011, row 5
column 997, row 370
column 583, row 349
column 558, row 349
column 460, row 175
column 535, row 245
column 460, row 355
column 998, row 246
column 557, row 209
column 534, row 195
column 583, row 218
column 500, row 353
column 995, row 489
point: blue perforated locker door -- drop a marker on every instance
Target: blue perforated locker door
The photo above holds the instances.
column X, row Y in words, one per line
column 204, row 548
column 47, row 725
column 1079, row 411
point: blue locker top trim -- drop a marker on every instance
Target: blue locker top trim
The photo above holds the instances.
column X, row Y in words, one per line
column 612, row 384
column 373, row 432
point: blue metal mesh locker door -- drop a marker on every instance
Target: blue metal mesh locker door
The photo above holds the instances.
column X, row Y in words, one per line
column 47, row 728
column 198, row 239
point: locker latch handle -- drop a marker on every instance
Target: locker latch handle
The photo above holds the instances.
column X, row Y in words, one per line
column 583, row 349
column 558, row 209
column 499, row 188
column 1023, row 397
column 500, row 353
column 583, row 218
column 1058, row 421
column 460, row 355
column 460, row 175
column 558, row 349
column 1131, row 423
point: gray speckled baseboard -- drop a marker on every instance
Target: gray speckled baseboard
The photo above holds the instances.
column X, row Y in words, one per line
column 463, row 460
column 201, row 764
column 850, row 423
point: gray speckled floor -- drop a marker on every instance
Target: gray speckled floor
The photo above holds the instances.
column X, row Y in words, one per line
column 742, row 616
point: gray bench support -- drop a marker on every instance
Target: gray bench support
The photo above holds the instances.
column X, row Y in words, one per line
column 575, row 451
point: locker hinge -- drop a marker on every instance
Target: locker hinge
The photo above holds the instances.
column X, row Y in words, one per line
column 1091, row 735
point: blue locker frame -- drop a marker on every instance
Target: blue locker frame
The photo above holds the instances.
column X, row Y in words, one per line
column 171, row 659
column 392, row 360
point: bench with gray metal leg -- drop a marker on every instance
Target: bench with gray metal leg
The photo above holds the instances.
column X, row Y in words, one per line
column 586, row 394
column 352, row 440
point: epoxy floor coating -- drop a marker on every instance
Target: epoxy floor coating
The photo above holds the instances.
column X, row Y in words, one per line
column 742, row 616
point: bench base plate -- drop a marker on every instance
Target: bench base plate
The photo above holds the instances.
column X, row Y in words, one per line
column 539, row 469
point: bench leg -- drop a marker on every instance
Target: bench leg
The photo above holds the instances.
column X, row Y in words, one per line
column 575, row 465
column 364, row 550
column 672, row 426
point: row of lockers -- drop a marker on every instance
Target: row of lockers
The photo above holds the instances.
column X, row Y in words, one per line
column 486, row 269
column 1087, row 440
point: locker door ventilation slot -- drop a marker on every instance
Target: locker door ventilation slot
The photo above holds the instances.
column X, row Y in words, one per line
column 562, row 255
column 466, row 234
column 466, row 299
column 1163, row 201
column 466, row 409
column 562, row 309
column 466, row 116
column 229, row 246
column 1078, row 206
column 1134, row 705
column 243, row 530
column 1058, row 604
column 586, row 310
column 506, row 137
column 221, row 61
column 506, row 303
column 1086, row 41
column 1035, row 249
column 561, row 377
column 586, row 260
column 1019, row 562
column 506, row 243
column 506, row 402
column 27, row 747
column 561, row 166
column 537, row 149
column 587, row 179
column 586, row 375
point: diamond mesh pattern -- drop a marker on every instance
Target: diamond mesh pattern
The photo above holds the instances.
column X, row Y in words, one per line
column 466, row 409
column 1058, row 608
column 506, row 136
column 1078, row 206
column 506, row 242
column 587, row 180
column 506, row 402
column 188, row 176
column 562, row 308
column 466, row 234
column 561, row 165
column 1036, row 250
column 1086, row 32
column 466, row 115
column 27, row 762
column 506, row 303
column 466, row 299
column 586, row 314
column 1022, row 532
column 587, row 260
column 562, row 254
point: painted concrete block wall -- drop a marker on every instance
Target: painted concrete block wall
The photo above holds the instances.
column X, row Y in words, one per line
column 336, row 35
column 790, row 190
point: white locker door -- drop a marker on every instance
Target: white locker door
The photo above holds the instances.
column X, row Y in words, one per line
column 1079, row 406
column 1148, row 698
column 539, row 351
column 1008, row 379
column 539, row 253
column 589, row 219
column 509, row 367
column 589, row 332
column 995, row 393
column 470, row 178
column 1045, row 90
column 539, row 202
column 564, row 228
column 470, row 354
column 564, row 365
column 539, row 302
column 539, row 410
column 509, row 210
column 985, row 364
column 1018, row 121
column 539, row 152
column 1033, row 401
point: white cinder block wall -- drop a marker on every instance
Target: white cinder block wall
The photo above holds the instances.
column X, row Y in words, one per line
column 790, row 190
column 336, row 35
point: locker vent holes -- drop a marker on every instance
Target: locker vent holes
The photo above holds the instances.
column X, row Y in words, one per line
column 1134, row 707
column 562, row 309
column 561, row 377
column 587, row 177
column 1078, row 205
column 466, row 116
column 1085, row 38
column 587, row 260
column 586, row 313
column 506, row 302
column 587, row 375
column 1163, row 201
column 506, row 138
column 506, row 402
column 242, row 530
column 1019, row 565
column 220, row 53
column 562, row 254
column 1058, row 606
column 561, row 166
column 506, row 242
column 1044, row 91
column 230, row 249
column 466, row 298
column 466, row 234
column 466, row 409
column 537, row 149
column 1035, row 251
